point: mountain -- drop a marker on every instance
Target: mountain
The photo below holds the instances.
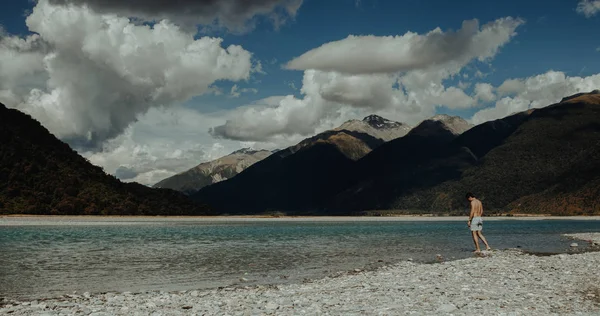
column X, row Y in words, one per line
column 539, row 161
column 353, row 145
column 392, row 167
column 39, row 174
column 304, row 177
column 213, row 171
column 294, row 179
column 376, row 126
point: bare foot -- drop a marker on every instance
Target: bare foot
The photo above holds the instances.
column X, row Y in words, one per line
column 488, row 249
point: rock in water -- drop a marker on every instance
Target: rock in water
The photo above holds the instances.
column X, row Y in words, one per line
column 574, row 244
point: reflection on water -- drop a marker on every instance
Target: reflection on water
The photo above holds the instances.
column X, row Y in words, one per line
column 44, row 261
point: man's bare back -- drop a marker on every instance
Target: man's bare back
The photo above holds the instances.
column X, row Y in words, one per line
column 475, row 222
column 476, row 208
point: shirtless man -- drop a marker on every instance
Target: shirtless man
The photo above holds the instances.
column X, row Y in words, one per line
column 476, row 222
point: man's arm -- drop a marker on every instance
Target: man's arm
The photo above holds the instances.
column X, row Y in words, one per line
column 472, row 213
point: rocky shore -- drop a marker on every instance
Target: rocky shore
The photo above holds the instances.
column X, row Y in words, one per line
column 506, row 282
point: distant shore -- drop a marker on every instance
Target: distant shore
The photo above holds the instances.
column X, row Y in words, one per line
column 10, row 220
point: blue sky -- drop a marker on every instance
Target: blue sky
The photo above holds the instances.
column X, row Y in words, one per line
column 555, row 37
column 556, row 51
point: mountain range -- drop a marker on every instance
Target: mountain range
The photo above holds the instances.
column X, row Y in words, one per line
column 40, row 174
column 304, row 177
column 354, row 148
column 543, row 160
column 538, row 161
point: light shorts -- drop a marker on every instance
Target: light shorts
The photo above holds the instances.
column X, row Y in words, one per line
column 476, row 224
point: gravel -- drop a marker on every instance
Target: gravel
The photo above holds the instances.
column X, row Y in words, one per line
column 507, row 282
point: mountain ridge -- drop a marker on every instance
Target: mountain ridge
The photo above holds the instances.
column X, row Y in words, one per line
column 213, row 171
column 354, row 138
column 376, row 126
column 432, row 167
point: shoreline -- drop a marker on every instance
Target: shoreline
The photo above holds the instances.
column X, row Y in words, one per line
column 509, row 280
column 17, row 220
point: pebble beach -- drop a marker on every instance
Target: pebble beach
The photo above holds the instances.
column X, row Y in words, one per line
column 500, row 282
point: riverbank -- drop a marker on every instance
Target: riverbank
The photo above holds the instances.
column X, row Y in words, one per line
column 501, row 282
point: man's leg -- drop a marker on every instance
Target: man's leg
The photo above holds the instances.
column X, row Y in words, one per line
column 480, row 235
column 476, row 241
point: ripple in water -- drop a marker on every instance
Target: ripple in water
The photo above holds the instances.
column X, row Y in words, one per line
column 52, row 260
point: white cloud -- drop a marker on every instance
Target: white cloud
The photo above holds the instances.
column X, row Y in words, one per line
column 503, row 107
column 369, row 79
column 329, row 98
column 589, row 8
column 536, row 92
column 164, row 141
column 87, row 76
column 21, row 66
column 235, row 15
column 511, row 86
column 463, row 85
column 411, row 51
column 236, row 92
column 484, row 92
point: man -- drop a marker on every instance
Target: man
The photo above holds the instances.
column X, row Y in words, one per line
column 475, row 222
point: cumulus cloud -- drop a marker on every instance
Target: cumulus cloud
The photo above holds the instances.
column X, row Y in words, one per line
column 484, row 92
column 167, row 141
column 511, row 86
column 331, row 98
column 21, row 66
column 162, row 143
column 88, row 76
column 411, row 51
column 536, row 92
column 589, row 8
column 401, row 78
column 235, row 15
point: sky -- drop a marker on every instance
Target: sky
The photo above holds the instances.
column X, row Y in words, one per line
column 150, row 88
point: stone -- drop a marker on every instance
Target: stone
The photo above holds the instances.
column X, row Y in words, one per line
column 574, row 245
column 194, row 293
column 271, row 306
column 447, row 308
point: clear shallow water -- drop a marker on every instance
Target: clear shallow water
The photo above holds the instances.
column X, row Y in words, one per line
column 52, row 260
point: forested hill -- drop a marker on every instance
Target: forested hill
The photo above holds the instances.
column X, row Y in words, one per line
column 40, row 174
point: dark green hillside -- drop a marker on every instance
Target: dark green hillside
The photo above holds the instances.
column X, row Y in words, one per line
column 549, row 165
column 39, row 174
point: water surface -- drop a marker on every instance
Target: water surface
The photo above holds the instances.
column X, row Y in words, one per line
column 49, row 257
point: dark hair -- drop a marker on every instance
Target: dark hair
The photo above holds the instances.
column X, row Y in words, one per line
column 470, row 195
